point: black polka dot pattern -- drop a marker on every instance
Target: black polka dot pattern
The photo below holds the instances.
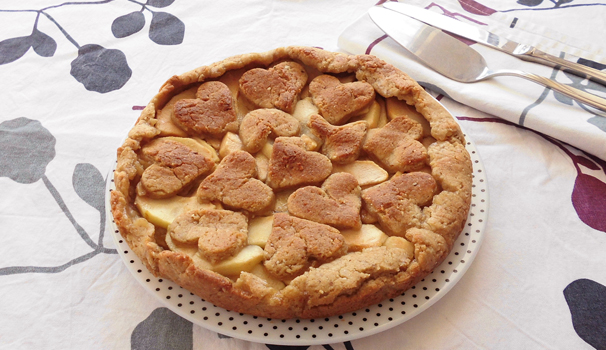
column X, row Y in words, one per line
column 341, row 328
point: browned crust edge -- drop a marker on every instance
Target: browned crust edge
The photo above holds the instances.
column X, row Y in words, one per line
column 249, row 294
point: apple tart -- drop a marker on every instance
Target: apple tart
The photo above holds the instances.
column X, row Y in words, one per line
column 293, row 183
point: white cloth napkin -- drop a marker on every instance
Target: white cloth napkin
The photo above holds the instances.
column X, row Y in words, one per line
column 511, row 98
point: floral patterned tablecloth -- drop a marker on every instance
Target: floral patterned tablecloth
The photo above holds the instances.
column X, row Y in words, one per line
column 73, row 79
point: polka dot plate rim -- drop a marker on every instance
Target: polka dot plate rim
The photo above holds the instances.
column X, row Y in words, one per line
column 336, row 329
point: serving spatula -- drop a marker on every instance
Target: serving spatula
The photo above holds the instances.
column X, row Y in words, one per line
column 484, row 37
column 456, row 60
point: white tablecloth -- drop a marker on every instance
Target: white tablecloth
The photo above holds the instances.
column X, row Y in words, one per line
column 538, row 281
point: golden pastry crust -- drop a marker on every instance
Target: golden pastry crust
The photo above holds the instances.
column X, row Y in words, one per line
column 309, row 258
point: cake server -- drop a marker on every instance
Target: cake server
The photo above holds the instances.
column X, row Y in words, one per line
column 456, row 60
column 482, row 36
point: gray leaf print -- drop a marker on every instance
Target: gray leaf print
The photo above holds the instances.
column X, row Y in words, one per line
column 163, row 329
column 27, row 148
column 89, row 185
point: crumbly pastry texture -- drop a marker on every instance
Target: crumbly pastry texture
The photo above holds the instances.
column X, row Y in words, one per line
column 294, row 183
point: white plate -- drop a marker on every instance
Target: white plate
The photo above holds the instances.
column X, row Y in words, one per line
column 364, row 322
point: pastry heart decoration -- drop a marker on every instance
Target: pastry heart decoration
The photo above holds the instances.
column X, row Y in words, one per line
column 219, row 234
column 233, row 184
column 296, row 244
column 397, row 145
column 292, row 164
column 211, row 112
column 396, row 203
column 276, row 87
column 341, row 144
column 175, row 163
column 338, row 102
column 337, row 203
column 258, row 125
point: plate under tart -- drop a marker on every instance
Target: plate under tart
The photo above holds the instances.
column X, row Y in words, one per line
column 336, row 329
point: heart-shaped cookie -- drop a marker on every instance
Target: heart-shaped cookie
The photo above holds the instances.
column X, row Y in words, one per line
column 257, row 126
column 174, row 165
column 218, row 233
column 397, row 145
column 278, row 86
column 337, row 203
column 211, row 112
column 341, row 144
column 296, row 244
column 233, row 184
column 338, row 102
column 291, row 164
column 397, row 203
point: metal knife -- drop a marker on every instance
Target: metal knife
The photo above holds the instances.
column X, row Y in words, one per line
column 482, row 36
